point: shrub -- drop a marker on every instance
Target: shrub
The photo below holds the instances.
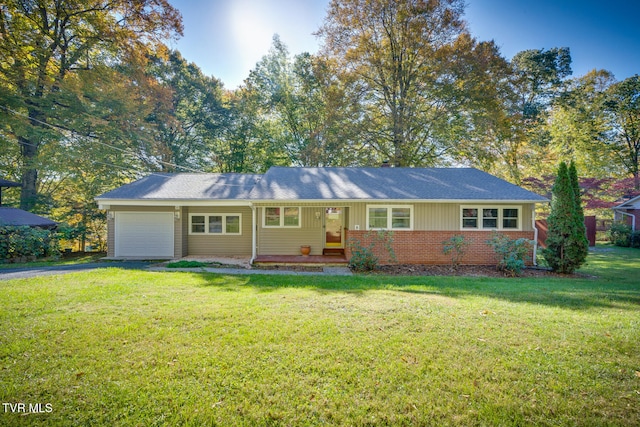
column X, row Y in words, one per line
column 635, row 239
column 511, row 252
column 620, row 234
column 567, row 244
column 455, row 246
column 363, row 257
column 20, row 242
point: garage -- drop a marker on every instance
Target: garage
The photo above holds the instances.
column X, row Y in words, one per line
column 144, row 234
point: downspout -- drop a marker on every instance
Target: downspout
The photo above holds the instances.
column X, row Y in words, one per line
column 535, row 236
column 633, row 219
column 253, row 234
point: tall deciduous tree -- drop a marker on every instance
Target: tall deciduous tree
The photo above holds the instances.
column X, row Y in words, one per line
column 579, row 125
column 538, row 79
column 44, row 43
column 192, row 117
column 402, row 59
column 301, row 102
column 623, row 106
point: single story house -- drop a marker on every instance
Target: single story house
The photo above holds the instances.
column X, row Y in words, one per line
column 185, row 214
column 628, row 212
column 15, row 217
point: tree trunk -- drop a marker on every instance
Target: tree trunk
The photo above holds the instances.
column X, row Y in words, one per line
column 29, row 193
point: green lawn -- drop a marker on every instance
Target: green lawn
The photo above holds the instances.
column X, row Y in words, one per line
column 114, row 347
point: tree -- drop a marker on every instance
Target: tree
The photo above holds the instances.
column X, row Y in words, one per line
column 406, row 61
column 579, row 124
column 538, row 79
column 300, row 103
column 188, row 116
column 581, row 242
column 623, row 105
column 44, row 45
column 566, row 240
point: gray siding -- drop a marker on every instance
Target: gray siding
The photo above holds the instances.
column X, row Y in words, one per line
column 234, row 245
column 435, row 216
column 287, row 241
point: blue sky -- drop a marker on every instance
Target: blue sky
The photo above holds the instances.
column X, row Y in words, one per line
column 226, row 38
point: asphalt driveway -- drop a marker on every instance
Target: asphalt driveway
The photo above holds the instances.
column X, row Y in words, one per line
column 27, row 272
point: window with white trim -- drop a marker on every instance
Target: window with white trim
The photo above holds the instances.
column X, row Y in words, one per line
column 215, row 223
column 281, row 216
column 393, row 217
column 490, row 218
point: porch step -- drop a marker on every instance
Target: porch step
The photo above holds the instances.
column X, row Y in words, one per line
column 333, row 252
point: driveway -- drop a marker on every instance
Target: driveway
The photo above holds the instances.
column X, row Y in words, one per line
column 28, row 272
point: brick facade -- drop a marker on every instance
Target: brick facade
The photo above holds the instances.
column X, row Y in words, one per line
column 426, row 247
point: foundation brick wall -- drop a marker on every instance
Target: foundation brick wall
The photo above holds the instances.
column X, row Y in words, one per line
column 425, row 247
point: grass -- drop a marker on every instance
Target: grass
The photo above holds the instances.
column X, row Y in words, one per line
column 186, row 264
column 114, row 347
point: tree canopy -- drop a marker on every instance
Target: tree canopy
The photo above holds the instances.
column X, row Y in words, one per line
column 92, row 97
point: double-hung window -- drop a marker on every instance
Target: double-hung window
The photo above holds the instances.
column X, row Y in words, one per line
column 281, row 216
column 490, row 218
column 381, row 217
column 215, row 223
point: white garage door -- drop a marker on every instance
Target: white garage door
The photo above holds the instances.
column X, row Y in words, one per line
column 148, row 234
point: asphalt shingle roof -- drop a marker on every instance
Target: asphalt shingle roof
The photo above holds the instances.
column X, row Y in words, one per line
column 282, row 183
column 186, row 186
column 387, row 184
column 18, row 217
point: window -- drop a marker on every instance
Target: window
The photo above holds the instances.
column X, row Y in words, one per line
column 215, row 224
column 490, row 218
column 469, row 218
column 378, row 217
column 389, row 217
column 510, row 218
column 197, row 223
column 281, row 217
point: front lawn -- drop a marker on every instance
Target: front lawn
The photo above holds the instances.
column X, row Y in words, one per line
column 115, row 347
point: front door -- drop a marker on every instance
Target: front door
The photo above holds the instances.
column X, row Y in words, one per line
column 333, row 227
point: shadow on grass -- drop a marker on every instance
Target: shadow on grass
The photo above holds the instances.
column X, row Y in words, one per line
column 571, row 293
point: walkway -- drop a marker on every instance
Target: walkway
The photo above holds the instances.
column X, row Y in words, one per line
column 28, row 272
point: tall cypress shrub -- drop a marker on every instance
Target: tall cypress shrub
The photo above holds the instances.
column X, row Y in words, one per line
column 566, row 234
column 580, row 247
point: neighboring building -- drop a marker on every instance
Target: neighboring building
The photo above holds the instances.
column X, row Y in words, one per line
column 628, row 212
column 177, row 215
column 17, row 217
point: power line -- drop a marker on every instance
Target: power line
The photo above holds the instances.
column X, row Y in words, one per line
column 64, row 132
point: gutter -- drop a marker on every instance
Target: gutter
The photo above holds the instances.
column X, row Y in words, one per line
column 535, row 236
column 633, row 219
column 253, row 234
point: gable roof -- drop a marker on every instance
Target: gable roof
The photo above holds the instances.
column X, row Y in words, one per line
column 18, row 217
column 5, row 183
column 372, row 184
column 632, row 203
column 298, row 184
column 186, row 186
